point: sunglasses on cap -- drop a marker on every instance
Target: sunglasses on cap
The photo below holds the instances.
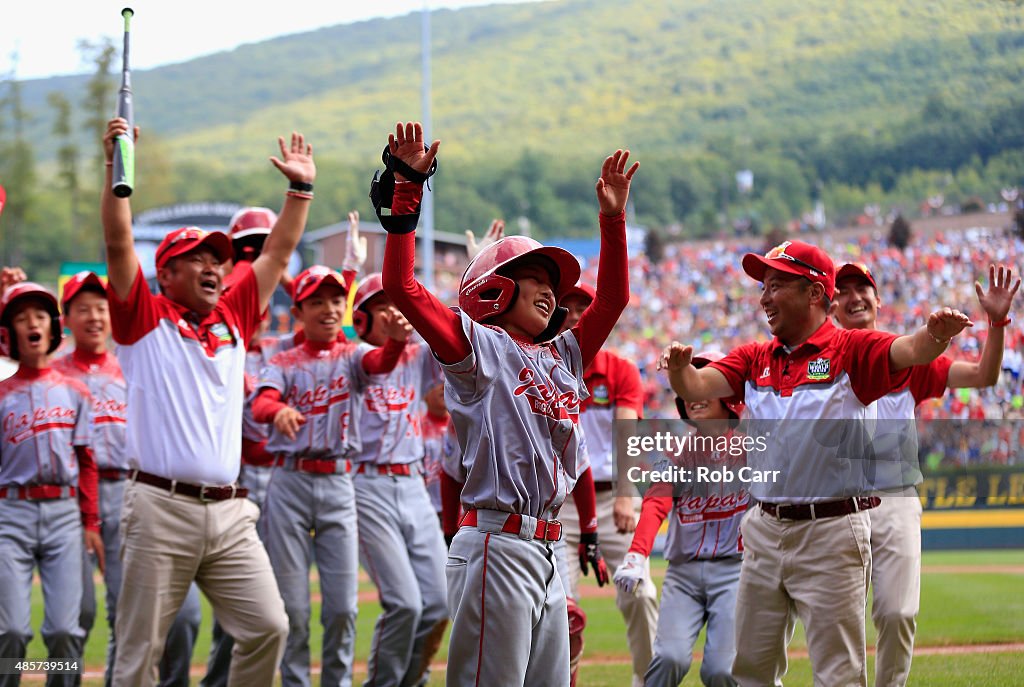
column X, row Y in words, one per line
column 780, row 252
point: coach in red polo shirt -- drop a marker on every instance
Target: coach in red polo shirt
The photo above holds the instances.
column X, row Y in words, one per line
column 806, row 545
column 183, row 357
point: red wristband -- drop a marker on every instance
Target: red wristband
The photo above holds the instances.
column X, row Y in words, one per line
column 1001, row 323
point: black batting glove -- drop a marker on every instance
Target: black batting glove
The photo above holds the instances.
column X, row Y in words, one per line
column 590, row 553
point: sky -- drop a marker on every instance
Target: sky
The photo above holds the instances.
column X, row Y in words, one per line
column 168, row 31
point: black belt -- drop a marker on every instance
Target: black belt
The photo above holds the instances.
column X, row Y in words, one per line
column 203, row 492
column 824, row 509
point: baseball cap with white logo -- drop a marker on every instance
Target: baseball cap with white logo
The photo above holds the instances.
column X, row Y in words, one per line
column 187, row 239
column 795, row 257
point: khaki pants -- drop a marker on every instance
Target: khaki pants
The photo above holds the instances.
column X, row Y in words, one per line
column 816, row 570
column 896, row 583
column 640, row 610
column 170, row 540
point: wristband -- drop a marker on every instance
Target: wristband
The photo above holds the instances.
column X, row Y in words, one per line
column 1000, row 323
column 300, row 194
column 109, row 163
column 301, row 187
column 944, row 342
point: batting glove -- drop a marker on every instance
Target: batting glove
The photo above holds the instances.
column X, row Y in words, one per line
column 590, row 553
column 630, row 574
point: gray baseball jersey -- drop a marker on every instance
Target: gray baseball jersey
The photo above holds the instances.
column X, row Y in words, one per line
column 102, row 376
column 390, row 406
column 435, row 433
column 44, row 417
column 320, row 385
column 516, row 407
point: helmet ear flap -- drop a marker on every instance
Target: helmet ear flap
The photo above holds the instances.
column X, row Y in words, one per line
column 554, row 325
column 362, row 321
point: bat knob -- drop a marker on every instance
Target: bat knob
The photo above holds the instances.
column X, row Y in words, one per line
column 127, row 12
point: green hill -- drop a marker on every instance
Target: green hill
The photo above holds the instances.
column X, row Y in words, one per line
column 851, row 102
column 575, row 77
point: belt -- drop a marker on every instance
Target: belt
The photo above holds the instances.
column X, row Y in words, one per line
column 396, row 470
column 316, row 466
column 816, row 511
column 114, row 474
column 604, row 486
column 38, row 492
column 546, row 530
column 203, row 492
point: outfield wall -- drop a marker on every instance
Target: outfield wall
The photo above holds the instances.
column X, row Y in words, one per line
column 975, row 508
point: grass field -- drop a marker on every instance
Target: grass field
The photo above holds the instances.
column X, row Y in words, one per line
column 968, row 599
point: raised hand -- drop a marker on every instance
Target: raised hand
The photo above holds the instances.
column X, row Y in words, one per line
column 9, row 276
column 675, row 357
column 494, row 233
column 407, row 145
column 944, row 324
column 296, row 160
column 395, row 325
column 997, row 300
column 115, row 127
column 355, row 245
column 613, row 186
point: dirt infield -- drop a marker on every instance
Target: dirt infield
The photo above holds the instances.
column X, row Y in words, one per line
column 94, row 673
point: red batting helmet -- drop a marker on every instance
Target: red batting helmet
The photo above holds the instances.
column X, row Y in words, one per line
column 485, row 292
column 311, row 278
column 700, row 360
column 370, row 286
column 18, row 292
column 248, row 230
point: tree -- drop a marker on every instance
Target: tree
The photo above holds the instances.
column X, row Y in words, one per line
column 99, row 91
column 17, row 168
column 900, row 232
column 67, row 157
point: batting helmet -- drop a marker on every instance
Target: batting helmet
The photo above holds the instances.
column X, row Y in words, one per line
column 699, row 361
column 485, row 292
column 19, row 292
column 362, row 319
column 248, row 229
column 311, row 278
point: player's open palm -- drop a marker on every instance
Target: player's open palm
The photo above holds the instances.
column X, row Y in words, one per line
column 355, row 245
column 407, row 145
column 296, row 161
column 494, row 233
column 613, row 186
column 288, row 421
column 997, row 300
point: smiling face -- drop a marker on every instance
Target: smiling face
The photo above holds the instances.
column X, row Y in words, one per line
column 532, row 310
column 576, row 305
column 194, row 280
column 706, row 410
column 856, row 303
column 88, row 318
column 31, row 329
column 791, row 304
column 321, row 313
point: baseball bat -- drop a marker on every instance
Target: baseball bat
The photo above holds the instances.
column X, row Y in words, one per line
column 124, row 145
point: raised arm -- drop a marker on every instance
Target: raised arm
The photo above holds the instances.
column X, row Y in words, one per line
column 996, row 303
column 116, row 215
column 297, row 165
column 612, row 293
column 928, row 342
column 439, row 326
column 691, row 383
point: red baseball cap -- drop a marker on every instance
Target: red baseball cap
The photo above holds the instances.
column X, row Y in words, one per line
column 581, row 289
column 795, row 257
column 187, row 239
column 73, row 286
column 856, row 269
column 311, row 278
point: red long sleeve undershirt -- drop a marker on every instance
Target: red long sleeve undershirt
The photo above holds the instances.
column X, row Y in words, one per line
column 255, row 453
column 585, row 498
column 441, row 328
column 451, row 504
column 382, row 360
column 88, row 488
column 653, row 512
